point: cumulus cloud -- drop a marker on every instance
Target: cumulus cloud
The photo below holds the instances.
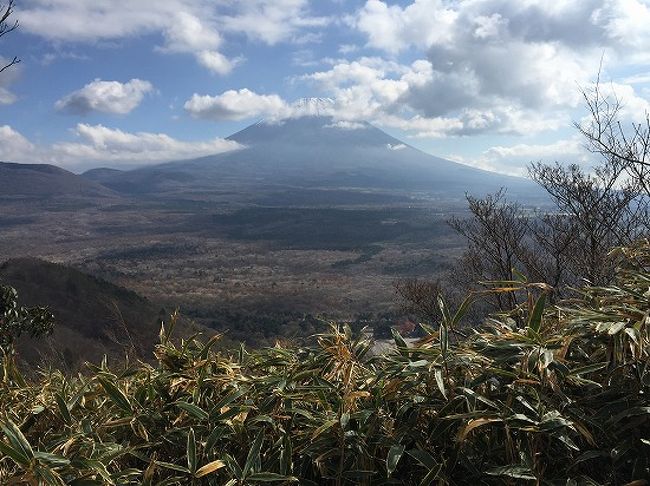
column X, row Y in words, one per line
column 98, row 144
column 377, row 90
column 190, row 35
column 514, row 159
column 193, row 27
column 273, row 21
column 14, row 147
column 496, row 65
column 105, row 96
column 236, row 105
column 365, row 88
column 393, row 28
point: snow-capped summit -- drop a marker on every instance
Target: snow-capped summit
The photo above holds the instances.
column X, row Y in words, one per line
column 313, row 107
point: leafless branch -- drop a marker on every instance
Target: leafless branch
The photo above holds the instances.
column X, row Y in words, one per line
column 6, row 26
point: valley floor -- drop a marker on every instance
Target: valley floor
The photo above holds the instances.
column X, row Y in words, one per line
column 213, row 261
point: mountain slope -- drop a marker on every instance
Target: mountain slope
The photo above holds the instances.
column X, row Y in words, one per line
column 101, row 174
column 317, row 152
column 94, row 317
column 43, row 180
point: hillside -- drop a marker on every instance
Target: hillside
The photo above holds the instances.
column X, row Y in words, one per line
column 101, row 174
column 94, row 317
column 46, row 181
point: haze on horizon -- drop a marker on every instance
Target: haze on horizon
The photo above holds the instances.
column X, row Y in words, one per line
column 490, row 83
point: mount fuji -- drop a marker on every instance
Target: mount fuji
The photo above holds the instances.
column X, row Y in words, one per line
column 315, row 151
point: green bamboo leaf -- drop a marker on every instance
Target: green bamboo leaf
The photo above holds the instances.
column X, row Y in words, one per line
column 402, row 347
column 234, row 467
column 17, row 440
column 226, row 401
column 345, row 419
column 16, row 455
column 439, row 381
column 253, row 459
column 446, row 318
column 444, row 339
column 209, row 344
column 63, row 408
column 191, row 451
column 431, row 476
column 194, row 410
column 216, row 434
column 424, row 458
column 286, row 455
column 462, row 310
column 516, row 472
column 471, row 393
column 116, row 395
column 630, row 412
column 86, row 482
column 324, row 427
column 535, row 318
column 49, row 477
column 52, row 460
column 394, row 455
column 173, row 467
column 519, row 277
column 269, row 477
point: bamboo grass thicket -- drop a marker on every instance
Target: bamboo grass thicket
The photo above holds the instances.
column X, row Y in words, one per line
column 555, row 395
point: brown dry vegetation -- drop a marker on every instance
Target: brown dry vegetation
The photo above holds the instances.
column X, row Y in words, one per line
column 208, row 260
column 559, row 399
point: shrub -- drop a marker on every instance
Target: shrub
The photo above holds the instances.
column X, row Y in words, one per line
column 16, row 320
column 562, row 399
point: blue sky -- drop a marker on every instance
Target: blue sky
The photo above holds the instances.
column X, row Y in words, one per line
column 493, row 83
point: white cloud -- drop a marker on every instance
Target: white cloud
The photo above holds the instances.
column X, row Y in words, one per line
column 217, row 62
column 346, row 49
column 625, row 23
column 632, row 107
column 236, row 105
column 105, row 96
column 6, row 96
column 273, row 21
column 193, row 27
column 190, row 35
column 494, row 66
column 98, row 144
column 367, row 87
column 422, row 127
column 394, row 95
column 514, row 159
column 382, row 92
column 393, row 28
column 346, row 125
column 639, row 78
column 14, row 147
